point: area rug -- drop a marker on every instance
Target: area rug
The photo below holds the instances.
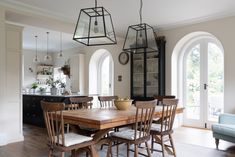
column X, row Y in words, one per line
column 182, row 150
column 189, row 150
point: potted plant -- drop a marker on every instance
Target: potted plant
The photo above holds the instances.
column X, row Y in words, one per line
column 42, row 90
column 62, row 86
column 53, row 84
column 66, row 70
column 34, row 86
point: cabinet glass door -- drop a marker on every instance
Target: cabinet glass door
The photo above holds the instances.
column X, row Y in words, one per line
column 138, row 75
column 152, row 74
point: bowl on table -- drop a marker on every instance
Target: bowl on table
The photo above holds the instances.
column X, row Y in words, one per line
column 123, row 104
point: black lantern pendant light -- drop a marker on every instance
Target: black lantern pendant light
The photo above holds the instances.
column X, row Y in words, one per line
column 140, row 38
column 94, row 27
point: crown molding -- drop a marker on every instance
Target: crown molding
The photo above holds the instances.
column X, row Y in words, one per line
column 193, row 21
column 19, row 7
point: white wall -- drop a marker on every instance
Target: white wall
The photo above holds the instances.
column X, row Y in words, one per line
column 74, row 57
column 10, row 82
column 122, row 89
column 67, row 54
column 30, row 77
column 224, row 30
column 3, row 121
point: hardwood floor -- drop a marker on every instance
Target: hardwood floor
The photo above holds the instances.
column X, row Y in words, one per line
column 200, row 137
column 185, row 138
column 34, row 144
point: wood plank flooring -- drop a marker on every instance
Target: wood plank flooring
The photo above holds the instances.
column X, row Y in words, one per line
column 200, row 137
column 34, row 144
column 186, row 140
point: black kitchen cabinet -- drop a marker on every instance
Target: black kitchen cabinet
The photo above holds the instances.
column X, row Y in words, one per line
column 32, row 111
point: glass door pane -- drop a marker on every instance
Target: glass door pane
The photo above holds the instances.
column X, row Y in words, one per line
column 105, row 77
column 152, row 75
column 215, row 82
column 138, row 75
column 192, row 87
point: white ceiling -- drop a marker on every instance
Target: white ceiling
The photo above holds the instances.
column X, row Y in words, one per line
column 29, row 42
column 158, row 13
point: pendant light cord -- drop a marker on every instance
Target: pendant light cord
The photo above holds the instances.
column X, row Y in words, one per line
column 96, row 13
column 47, row 41
column 36, row 39
column 95, row 3
column 140, row 11
column 61, row 42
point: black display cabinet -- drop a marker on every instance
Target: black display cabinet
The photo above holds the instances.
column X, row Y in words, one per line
column 148, row 73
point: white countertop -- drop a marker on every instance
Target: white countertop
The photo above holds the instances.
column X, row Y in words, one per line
column 57, row 95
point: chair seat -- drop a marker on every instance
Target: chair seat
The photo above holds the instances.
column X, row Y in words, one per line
column 72, row 139
column 156, row 127
column 128, row 134
column 225, row 129
column 156, row 120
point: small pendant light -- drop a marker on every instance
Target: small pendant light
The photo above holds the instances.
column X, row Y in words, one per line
column 36, row 59
column 47, row 57
column 60, row 54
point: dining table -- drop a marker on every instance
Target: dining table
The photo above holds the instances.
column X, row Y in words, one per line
column 105, row 119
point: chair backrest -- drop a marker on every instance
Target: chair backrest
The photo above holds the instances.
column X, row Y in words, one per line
column 79, row 102
column 160, row 98
column 144, row 117
column 168, row 114
column 107, row 101
column 53, row 117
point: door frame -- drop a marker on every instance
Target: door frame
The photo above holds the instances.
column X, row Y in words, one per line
column 203, row 41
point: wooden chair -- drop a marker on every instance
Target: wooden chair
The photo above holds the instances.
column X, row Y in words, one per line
column 57, row 139
column 107, row 101
column 160, row 98
column 141, row 133
column 159, row 102
column 161, row 133
column 77, row 103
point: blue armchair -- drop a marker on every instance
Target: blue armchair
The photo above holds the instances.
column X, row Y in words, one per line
column 225, row 129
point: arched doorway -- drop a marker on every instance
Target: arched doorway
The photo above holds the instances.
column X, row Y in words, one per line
column 199, row 79
column 101, row 73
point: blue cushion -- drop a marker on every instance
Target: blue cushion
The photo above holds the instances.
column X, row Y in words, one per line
column 227, row 118
column 224, row 129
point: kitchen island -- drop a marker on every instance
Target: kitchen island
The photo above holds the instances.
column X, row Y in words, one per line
column 32, row 112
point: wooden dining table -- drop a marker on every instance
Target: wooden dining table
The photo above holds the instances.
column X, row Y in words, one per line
column 105, row 119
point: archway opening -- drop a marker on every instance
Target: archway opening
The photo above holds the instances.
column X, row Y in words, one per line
column 101, row 73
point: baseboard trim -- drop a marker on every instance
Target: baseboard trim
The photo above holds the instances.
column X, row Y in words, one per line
column 4, row 139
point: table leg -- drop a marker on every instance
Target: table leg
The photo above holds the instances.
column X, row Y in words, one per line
column 100, row 135
column 94, row 152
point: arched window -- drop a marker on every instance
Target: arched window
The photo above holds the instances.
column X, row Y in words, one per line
column 200, row 75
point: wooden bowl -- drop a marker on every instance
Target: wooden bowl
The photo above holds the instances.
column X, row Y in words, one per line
column 123, row 104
